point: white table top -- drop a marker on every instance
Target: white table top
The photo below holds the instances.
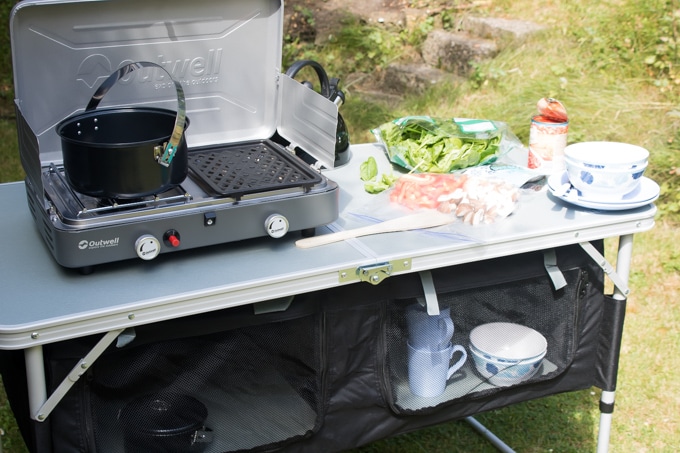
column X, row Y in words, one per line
column 43, row 302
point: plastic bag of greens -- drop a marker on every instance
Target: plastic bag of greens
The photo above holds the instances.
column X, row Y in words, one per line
column 436, row 145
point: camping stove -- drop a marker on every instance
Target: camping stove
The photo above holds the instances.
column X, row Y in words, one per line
column 232, row 193
column 249, row 120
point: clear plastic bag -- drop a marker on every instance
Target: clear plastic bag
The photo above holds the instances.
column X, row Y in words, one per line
column 473, row 199
column 436, row 145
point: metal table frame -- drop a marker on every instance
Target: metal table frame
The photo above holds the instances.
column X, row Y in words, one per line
column 44, row 303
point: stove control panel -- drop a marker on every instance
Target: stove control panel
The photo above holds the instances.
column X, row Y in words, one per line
column 276, row 226
column 147, row 247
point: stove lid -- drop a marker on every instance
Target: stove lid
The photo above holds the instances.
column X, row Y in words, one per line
column 226, row 55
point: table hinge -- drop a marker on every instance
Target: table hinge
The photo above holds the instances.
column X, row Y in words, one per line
column 374, row 273
column 76, row 373
column 620, row 283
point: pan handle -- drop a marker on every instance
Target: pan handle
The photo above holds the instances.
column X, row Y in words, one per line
column 180, row 119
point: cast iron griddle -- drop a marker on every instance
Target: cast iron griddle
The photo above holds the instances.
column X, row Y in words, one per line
column 248, row 168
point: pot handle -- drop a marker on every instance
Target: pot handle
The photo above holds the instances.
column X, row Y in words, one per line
column 202, row 436
column 180, row 120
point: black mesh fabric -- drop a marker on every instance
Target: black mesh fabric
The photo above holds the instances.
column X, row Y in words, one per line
column 530, row 302
column 244, row 389
column 260, row 385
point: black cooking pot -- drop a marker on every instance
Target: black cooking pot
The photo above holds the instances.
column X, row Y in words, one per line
column 165, row 423
column 125, row 152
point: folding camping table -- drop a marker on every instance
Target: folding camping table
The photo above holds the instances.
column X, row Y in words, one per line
column 45, row 304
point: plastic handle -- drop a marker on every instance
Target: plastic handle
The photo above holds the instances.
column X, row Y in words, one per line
column 320, row 72
column 447, row 329
column 459, row 364
column 180, row 120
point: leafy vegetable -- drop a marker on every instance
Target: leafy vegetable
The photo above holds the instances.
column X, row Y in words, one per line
column 426, row 144
column 369, row 173
column 369, row 169
column 385, row 182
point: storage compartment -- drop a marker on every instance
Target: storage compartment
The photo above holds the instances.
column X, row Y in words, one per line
column 366, row 331
column 224, row 382
column 530, row 302
column 549, row 300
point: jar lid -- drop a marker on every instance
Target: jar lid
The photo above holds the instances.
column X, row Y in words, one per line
column 164, row 414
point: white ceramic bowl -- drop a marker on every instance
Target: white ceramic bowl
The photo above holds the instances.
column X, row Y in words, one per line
column 507, row 341
column 501, row 360
column 607, row 167
column 503, row 374
column 604, row 183
column 606, row 155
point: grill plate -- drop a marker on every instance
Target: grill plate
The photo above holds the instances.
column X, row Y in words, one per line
column 248, row 168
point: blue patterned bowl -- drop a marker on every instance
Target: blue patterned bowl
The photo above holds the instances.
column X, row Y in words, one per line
column 605, row 171
column 503, row 374
column 604, row 184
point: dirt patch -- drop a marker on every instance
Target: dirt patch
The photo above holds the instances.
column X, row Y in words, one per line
column 361, row 8
column 314, row 20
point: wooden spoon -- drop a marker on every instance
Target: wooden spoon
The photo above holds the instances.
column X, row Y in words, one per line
column 425, row 219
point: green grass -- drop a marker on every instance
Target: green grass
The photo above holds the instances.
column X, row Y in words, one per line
column 613, row 64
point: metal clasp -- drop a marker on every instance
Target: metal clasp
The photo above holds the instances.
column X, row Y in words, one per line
column 374, row 273
column 163, row 154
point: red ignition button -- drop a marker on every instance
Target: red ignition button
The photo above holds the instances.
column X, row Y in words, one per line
column 171, row 238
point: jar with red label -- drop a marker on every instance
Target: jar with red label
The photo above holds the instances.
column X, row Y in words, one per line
column 548, row 136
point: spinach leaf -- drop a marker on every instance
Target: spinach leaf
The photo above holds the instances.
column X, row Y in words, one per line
column 426, row 144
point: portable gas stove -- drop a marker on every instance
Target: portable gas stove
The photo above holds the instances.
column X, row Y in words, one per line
column 232, row 193
column 241, row 184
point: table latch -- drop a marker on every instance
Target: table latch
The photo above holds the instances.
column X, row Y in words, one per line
column 374, row 273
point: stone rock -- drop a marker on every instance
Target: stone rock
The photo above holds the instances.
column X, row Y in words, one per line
column 500, row 30
column 453, row 52
column 413, row 78
column 444, row 56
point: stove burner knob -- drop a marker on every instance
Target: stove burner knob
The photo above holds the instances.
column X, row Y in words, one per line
column 171, row 238
column 276, row 226
column 147, row 247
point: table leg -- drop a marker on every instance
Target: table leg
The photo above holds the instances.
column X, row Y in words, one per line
column 488, row 435
column 623, row 262
column 606, row 414
column 35, row 378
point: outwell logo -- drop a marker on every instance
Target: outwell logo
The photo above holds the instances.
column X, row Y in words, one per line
column 195, row 70
column 100, row 244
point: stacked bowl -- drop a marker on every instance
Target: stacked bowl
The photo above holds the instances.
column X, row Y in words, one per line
column 605, row 171
column 506, row 353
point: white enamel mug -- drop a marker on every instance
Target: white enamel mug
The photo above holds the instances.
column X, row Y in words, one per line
column 428, row 370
